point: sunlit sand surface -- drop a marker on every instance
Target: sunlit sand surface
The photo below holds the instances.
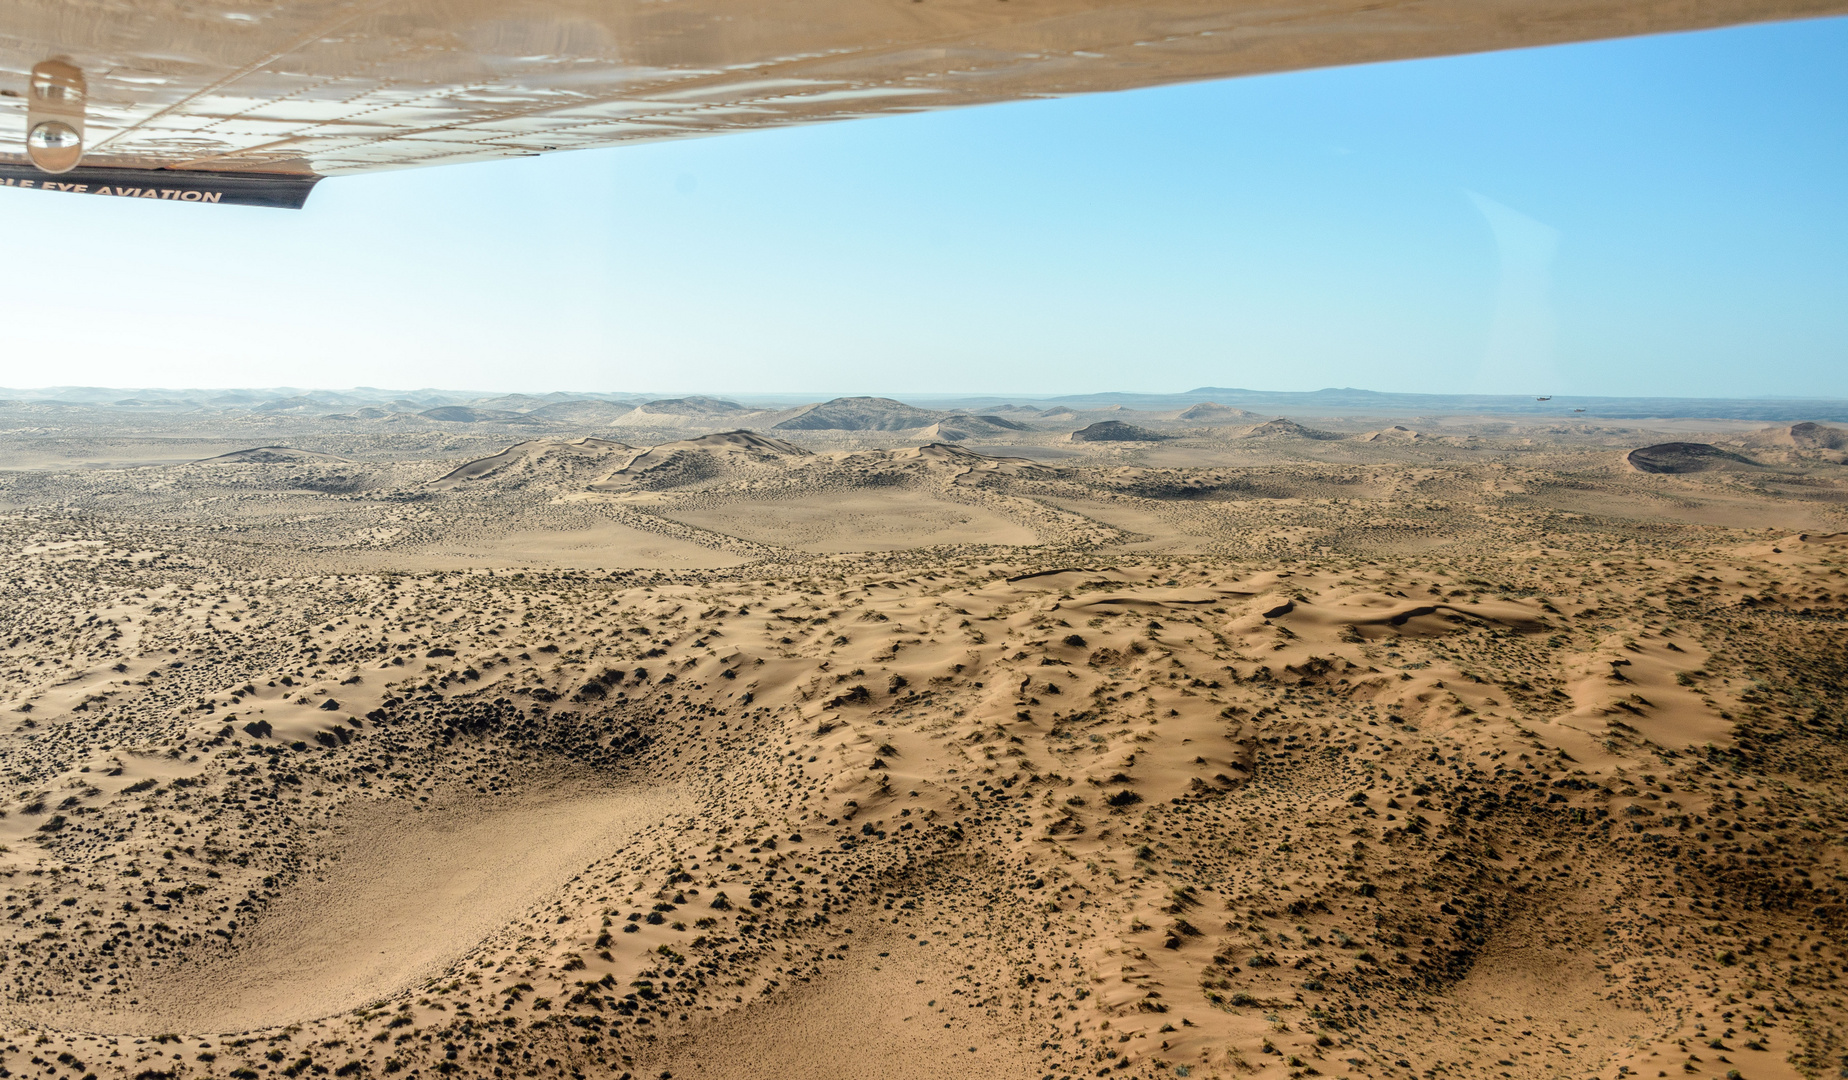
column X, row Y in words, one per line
column 1332, row 748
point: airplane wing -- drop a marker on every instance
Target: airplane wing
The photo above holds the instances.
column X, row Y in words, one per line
column 253, row 100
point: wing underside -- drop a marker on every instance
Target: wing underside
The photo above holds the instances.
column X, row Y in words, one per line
column 309, row 88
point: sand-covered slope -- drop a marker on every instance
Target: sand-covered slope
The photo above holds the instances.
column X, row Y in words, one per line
column 692, row 460
column 737, row 758
column 540, row 461
column 1144, row 813
column 959, row 427
column 1803, row 436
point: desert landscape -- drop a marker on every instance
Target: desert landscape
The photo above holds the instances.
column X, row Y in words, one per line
column 602, row 736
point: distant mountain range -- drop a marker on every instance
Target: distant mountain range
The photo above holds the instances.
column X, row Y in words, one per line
column 962, row 413
column 287, row 399
column 1347, row 401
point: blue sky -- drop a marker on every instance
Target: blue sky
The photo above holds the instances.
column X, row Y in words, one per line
column 1664, row 215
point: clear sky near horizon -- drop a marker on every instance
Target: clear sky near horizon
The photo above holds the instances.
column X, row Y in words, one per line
column 1655, row 216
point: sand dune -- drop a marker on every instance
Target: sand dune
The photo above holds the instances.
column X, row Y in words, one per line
column 890, row 1017
column 869, row 521
column 1805, row 436
column 957, row 428
column 462, row 414
column 692, row 460
column 738, row 756
column 694, row 414
column 581, row 413
column 522, row 462
column 586, row 543
column 1395, row 432
column 405, row 894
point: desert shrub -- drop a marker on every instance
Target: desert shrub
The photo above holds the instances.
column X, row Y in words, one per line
column 855, row 695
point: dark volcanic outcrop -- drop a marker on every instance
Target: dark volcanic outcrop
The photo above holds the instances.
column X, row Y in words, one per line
column 1287, row 428
column 462, row 414
column 959, row 427
column 1684, row 457
column 1117, row 431
column 269, row 455
column 694, row 406
column 861, row 414
column 1209, row 412
column 581, row 412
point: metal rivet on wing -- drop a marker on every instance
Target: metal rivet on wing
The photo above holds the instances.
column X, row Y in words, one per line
column 54, row 116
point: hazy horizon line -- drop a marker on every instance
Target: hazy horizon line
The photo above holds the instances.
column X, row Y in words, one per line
column 823, row 395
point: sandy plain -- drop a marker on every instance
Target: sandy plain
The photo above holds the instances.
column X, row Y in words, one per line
column 1478, row 748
